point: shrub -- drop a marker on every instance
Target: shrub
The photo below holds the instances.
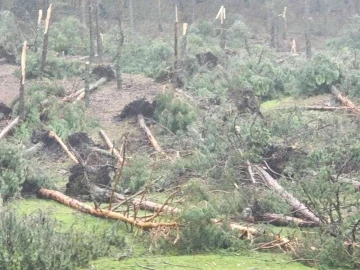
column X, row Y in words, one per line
column 68, row 36
column 57, row 68
column 317, row 75
column 33, row 242
column 16, row 171
column 174, row 111
column 10, row 34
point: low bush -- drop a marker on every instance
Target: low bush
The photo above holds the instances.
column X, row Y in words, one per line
column 34, row 242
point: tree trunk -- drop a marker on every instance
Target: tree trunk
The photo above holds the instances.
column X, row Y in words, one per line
column 91, row 30
column 99, row 42
column 148, row 133
column 82, row 7
column 307, row 29
column 22, row 83
column 160, row 27
column 46, row 39
column 9, row 127
column 102, row 213
column 272, row 27
column 111, row 147
column 344, row 100
column 281, row 220
column 119, row 47
column 131, row 14
column 295, row 203
column 87, row 85
column 176, row 47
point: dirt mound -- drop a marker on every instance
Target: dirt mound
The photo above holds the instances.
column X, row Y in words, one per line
column 139, row 106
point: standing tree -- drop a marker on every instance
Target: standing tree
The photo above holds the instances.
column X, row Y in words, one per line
column 222, row 15
column 37, row 30
column 307, row 29
column 99, row 43
column 46, row 39
column 160, row 27
column 22, row 83
column 131, row 14
column 176, row 46
column 120, row 43
column 91, row 30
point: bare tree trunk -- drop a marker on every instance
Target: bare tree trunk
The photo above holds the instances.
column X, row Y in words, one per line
column 46, row 39
column 9, row 127
column 149, row 134
column 160, row 27
column 82, row 12
column 99, row 42
column 37, row 30
column 87, row 84
column 272, row 26
column 176, row 47
column 91, row 30
column 307, row 29
column 119, row 47
column 131, row 14
column 193, row 11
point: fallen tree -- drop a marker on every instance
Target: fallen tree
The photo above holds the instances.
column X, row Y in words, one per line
column 151, row 137
column 344, row 100
column 9, row 127
column 295, row 203
column 110, row 145
column 281, row 220
column 326, row 108
column 102, row 213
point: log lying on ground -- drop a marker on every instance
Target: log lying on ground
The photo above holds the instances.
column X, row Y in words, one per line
column 326, row 108
column 63, row 145
column 148, row 133
column 295, row 203
column 81, row 93
column 344, row 100
column 281, row 220
column 9, row 127
column 102, row 213
column 109, row 144
column 102, row 194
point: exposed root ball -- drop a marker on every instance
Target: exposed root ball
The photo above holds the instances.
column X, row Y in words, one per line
column 139, row 106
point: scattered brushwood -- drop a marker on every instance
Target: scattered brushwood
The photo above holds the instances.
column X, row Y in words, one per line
column 136, row 107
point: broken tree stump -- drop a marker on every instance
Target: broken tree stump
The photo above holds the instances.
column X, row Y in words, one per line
column 344, row 100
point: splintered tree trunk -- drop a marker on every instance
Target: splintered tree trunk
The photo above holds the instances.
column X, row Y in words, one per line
column 22, row 83
column 307, row 29
column 91, row 30
column 99, row 43
column 46, row 39
column 119, row 47
column 37, row 30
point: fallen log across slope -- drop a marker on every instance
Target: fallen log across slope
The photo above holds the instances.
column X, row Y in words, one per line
column 295, row 203
column 102, row 213
column 9, row 127
column 151, row 137
column 281, row 220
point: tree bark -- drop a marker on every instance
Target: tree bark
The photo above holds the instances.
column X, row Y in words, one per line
column 148, row 133
column 46, row 39
column 111, row 147
column 102, row 213
column 307, row 29
column 295, row 203
column 99, row 42
column 22, row 83
column 91, row 30
column 344, row 100
column 87, row 85
column 63, row 145
column 119, row 46
column 9, row 127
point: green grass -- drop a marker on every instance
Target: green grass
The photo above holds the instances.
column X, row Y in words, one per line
column 253, row 260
